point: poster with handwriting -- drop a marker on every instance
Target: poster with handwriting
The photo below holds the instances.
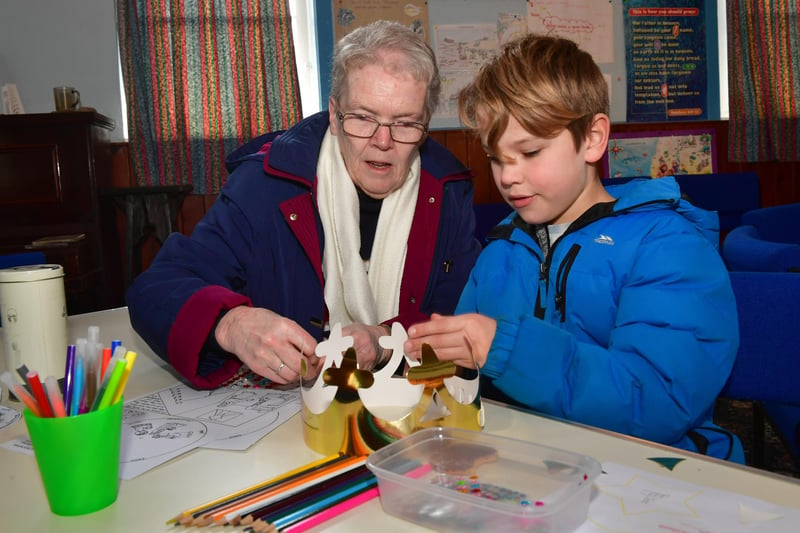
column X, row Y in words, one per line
column 589, row 23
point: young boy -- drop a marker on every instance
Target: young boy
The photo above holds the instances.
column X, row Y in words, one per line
column 607, row 307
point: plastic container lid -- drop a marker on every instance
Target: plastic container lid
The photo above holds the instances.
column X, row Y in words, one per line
column 24, row 273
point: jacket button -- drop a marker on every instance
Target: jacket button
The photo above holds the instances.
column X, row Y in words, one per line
column 412, row 300
column 431, row 200
column 293, row 216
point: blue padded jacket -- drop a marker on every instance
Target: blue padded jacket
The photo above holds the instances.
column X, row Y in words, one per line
column 628, row 324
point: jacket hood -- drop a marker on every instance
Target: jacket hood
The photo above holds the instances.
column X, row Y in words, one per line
column 305, row 137
column 638, row 195
column 664, row 193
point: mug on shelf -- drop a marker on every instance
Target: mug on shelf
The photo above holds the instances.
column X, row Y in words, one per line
column 66, row 98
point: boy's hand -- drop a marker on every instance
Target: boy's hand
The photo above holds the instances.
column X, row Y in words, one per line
column 463, row 339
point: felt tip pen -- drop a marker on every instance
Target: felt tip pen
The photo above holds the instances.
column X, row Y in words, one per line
column 38, row 394
column 130, row 358
column 20, row 392
column 22, row 370
column 68, row 376
column 113, row 383
column 54, row 395
column 77, row 391
column 119, row 353
column 91, row 380
column 93, row 334
column 114, row 345
column 106, row 357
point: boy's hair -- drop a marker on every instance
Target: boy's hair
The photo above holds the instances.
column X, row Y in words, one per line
column 546, row 83
column 366, row 46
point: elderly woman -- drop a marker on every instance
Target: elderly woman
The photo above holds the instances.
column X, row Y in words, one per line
column 352, row 216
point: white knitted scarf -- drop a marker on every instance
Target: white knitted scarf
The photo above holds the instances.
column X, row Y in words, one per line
column 352, row 294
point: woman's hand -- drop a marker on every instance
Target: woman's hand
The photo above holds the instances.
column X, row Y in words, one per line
column 365, row 341
column 269, row 344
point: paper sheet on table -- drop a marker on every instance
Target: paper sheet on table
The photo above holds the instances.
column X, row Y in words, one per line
column 167, row 423
column 164, row 424
column 627, row 499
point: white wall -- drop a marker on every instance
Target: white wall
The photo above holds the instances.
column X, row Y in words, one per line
column 46, row 43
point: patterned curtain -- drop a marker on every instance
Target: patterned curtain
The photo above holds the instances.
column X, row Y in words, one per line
column 200, row 78
column 764, row 73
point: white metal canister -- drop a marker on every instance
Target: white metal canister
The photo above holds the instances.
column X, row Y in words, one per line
column 33, row 314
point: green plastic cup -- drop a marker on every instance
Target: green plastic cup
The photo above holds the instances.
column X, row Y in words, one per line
column 78, row 458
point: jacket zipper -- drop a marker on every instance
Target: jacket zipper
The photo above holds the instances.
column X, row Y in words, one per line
column 561, row 281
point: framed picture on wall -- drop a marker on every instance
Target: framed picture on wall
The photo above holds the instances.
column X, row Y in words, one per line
column 660, row 153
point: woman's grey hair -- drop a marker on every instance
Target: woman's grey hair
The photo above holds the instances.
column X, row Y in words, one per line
column 363, row 46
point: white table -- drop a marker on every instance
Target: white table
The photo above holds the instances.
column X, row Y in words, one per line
column 148, row 501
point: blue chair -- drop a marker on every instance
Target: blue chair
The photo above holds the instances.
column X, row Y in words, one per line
column 23, row 258
column 768, row 240
column 767, row 368
column 730, row 194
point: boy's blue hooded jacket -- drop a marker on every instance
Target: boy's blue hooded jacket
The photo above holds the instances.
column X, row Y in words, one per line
column 628, row 324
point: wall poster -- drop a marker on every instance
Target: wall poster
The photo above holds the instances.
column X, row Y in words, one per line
column 659, row 154
column 665, row 60
column 351, row 14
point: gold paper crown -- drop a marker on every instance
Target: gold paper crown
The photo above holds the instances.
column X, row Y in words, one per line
column 354, row 411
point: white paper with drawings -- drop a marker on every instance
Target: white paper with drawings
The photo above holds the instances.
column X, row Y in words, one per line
column 167, row 423
column 626, row 499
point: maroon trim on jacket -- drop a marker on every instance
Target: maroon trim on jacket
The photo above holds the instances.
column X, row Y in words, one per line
column 419, row 266
column 301, row 217
column 192, row 326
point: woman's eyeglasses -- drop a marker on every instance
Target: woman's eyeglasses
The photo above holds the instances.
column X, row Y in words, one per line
column 364, row 127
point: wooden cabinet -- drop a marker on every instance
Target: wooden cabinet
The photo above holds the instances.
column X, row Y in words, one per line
column 51, row 168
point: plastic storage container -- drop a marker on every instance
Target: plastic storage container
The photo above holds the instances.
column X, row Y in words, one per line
column 452, row 479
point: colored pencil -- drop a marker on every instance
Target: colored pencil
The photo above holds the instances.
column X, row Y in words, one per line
column 332, row 512
column 204, row 517
column 328, row 500
column 303, row 497
column 281, row 491
column 342, row 507
column 196, row 511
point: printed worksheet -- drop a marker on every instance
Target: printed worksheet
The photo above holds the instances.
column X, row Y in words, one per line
column 177, row 419
column 164, row 424
column 628, row 499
